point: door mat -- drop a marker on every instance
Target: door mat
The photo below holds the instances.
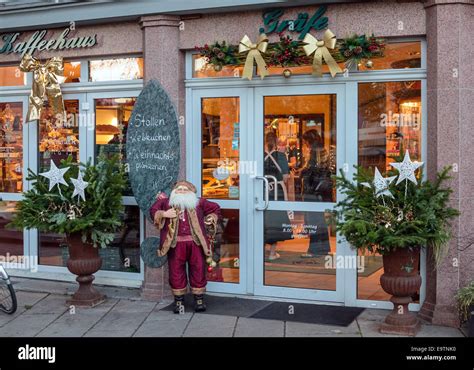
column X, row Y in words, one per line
column 309, row 313
column 268, row 310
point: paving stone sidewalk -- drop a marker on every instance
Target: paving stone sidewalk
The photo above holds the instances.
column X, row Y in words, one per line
column 42, row 312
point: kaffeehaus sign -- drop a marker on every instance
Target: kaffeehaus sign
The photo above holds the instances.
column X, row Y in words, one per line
column 12, row 42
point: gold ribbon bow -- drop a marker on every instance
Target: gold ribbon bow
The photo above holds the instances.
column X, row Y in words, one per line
column 46, row 80
column 254, row 51
column 320, row 48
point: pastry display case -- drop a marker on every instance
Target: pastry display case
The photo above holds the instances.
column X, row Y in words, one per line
column 58, row 135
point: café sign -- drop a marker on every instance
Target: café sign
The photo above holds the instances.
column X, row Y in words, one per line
column 303, row 24
column 38, row 42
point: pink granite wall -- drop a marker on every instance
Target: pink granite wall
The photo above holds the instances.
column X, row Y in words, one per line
column 383, row 18
column 466, row 120
column 112, row 39
column 450, row 56
column 164, row 62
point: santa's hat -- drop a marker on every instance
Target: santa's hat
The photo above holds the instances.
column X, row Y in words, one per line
column 187, row 184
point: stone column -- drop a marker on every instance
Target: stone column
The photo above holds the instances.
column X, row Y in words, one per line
column 450, row 56
column 163, row 61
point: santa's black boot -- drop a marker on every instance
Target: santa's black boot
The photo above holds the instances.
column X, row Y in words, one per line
column 178, row 304
column 199, row 306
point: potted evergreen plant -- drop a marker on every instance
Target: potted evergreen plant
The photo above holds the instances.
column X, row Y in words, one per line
column 395, row 216
column 82, row 202
column 465, row 300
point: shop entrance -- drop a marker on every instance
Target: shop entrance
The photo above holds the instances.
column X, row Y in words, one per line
column 266, row 156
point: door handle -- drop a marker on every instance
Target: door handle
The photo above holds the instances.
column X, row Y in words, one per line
column 267, row 200
column 275, row 181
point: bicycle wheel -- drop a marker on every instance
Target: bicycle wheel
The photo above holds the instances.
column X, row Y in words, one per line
column 8, row 302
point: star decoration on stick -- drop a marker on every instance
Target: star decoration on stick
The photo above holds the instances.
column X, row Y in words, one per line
column 381, row 184
column 55, row 176
column 406, row 169
column 79, row 186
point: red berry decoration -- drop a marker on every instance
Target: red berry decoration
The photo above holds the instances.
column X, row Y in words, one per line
column 209, row 269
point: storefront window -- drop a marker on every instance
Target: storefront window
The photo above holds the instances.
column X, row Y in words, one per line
column 397, row 55
column 12, row 76
column 220, row 130
column 115, row 69
column 11, row 240
column 123, row 254
column 11, row 147
column 300, row 249
column 72, row 72
column 299, row 70
column 226, row 254
column 389, row 124
column 300, row 147
column 53, row 249
column 112, row 116
column 58, row 135
column 202, row 69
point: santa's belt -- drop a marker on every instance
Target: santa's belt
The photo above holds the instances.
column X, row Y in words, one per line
column 184, row 238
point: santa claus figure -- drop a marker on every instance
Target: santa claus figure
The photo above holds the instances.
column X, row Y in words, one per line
column 183, row 220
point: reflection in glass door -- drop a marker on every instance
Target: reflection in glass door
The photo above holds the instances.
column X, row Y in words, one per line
column 218, row 153
column 297, row 150
column 220, row 137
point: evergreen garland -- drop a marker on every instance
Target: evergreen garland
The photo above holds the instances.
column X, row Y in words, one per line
column 97, row 218
column 288, row 52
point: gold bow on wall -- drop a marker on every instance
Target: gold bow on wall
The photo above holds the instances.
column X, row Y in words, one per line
column 46, row 80
column 320, row 50
column 254, row 51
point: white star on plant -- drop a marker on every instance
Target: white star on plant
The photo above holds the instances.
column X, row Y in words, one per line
column 79, row 186
column 406, row 169
column 55, row 176
column 381, row 184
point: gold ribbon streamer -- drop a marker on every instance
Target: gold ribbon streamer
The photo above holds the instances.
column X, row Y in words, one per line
column 320, row 48
column 254, row 51
column 46, row 80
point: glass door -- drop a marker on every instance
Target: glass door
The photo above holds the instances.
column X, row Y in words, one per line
column 218, row 163
column 298, row 144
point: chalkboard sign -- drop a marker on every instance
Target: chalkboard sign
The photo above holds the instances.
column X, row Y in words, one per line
column 152, row 145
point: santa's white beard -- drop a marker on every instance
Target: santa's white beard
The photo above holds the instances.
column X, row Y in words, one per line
column 184, row 201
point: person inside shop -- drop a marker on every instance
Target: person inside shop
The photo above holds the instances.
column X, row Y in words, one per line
column 275, row 164
column 184, row 220
column 282, row 144
column 317, row 186
column 294, row 163
column 294, row 155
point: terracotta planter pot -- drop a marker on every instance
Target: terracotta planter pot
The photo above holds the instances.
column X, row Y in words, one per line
column 402, row 280
column 84, row 261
